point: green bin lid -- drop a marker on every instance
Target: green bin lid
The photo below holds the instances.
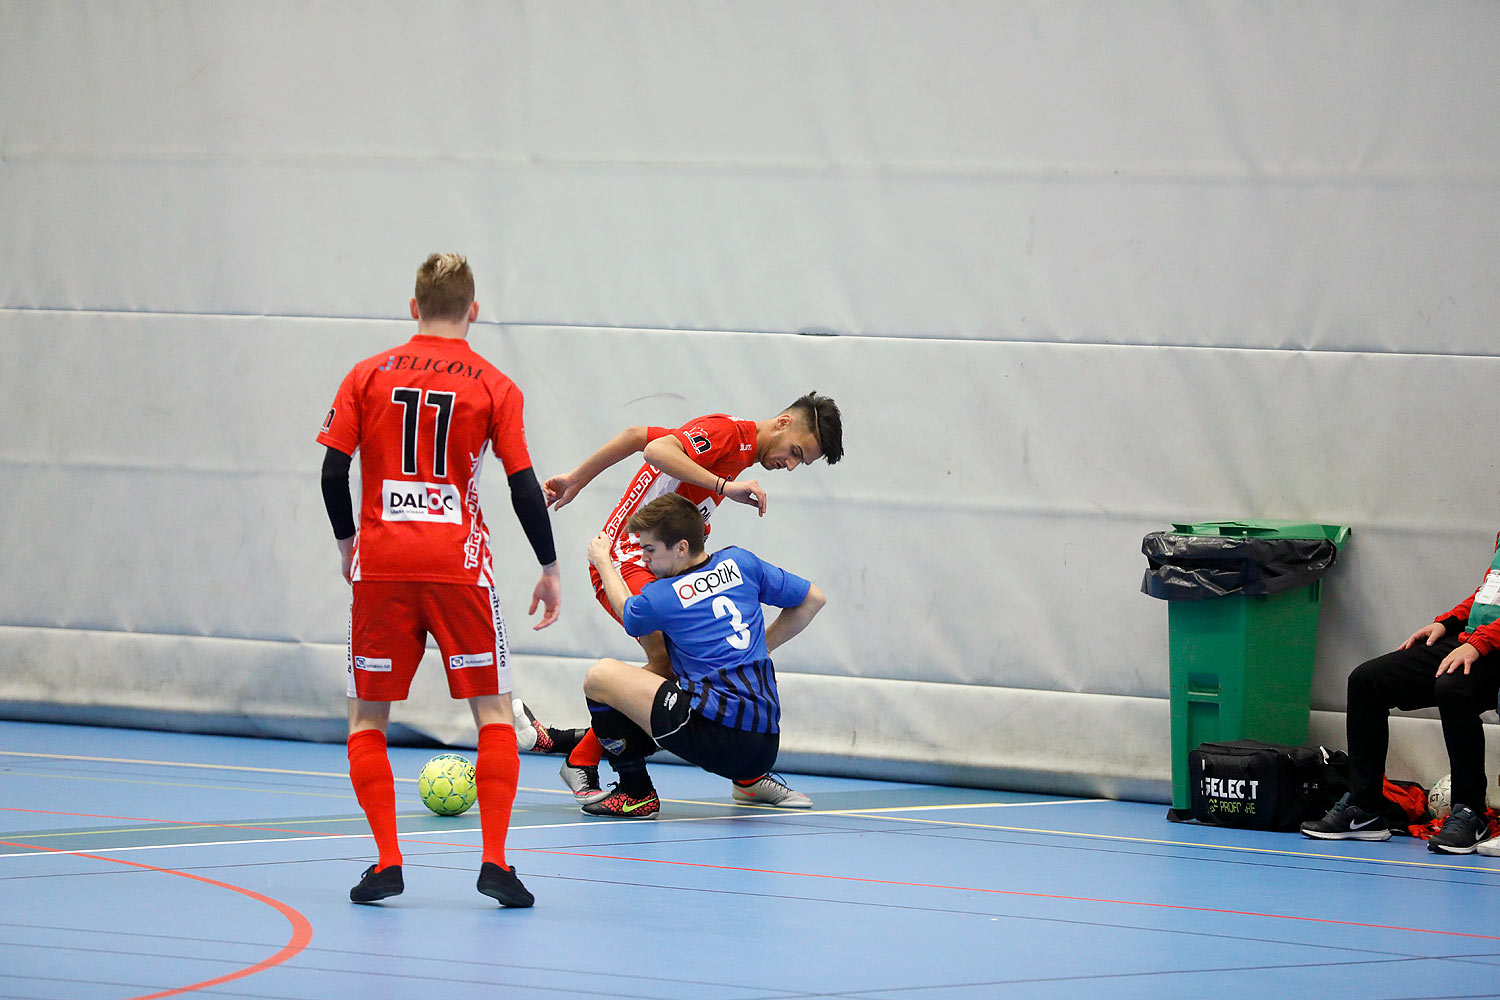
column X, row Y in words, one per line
column 1336, row 533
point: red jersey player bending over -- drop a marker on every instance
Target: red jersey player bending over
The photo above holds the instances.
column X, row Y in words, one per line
column 422, row 416
column 698, row 461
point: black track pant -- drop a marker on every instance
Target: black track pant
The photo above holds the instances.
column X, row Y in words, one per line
column 1407, row 679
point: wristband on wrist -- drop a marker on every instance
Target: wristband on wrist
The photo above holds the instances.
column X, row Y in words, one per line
column 720, row 487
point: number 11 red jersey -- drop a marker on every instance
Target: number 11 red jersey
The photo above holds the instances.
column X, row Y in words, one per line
column 422, row 416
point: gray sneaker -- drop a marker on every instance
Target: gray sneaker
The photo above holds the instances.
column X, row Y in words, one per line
column 768, row 791
column 583, row 782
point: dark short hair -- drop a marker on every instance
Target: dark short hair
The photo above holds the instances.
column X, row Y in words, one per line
column 671, row 519
column 445, row 287
column 821, row 415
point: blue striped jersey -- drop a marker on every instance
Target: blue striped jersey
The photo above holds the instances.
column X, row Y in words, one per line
column 716, row 634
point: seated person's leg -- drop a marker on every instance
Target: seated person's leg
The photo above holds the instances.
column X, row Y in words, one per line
column 1401, row 679
column 620, row 698
column 1461, row 698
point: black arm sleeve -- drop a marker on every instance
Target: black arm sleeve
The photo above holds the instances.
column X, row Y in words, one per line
column 531, row 508
column 1452, row 625
column 336, row 493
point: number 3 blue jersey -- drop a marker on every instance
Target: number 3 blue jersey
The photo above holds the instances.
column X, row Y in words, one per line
column 716, row 634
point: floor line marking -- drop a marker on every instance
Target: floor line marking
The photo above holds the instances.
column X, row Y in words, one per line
column 45, row 851
column 1021, row 893
column 521, row 788
column 747, row 811
column 1278, row 852
column 179, row 763
column 342, row 775
column 250, row 789
column 882, row 810
column 301, row 928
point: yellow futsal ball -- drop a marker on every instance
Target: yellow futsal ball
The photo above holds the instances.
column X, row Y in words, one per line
column 446, row 784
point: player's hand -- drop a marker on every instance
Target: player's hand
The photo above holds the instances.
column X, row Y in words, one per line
column 548, row 593
column 346, row 557
column 600, row 549
column 747, row 492
column 1427, row 634
column 1464, row 656
column 560, row 491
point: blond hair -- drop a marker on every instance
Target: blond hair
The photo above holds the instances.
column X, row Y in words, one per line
column 445, row 287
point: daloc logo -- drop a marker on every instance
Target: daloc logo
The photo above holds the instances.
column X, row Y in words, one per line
column 422, row 502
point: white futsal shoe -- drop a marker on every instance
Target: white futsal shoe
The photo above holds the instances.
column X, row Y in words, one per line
column 583, row 782
column 770, row 792
column 526, row 726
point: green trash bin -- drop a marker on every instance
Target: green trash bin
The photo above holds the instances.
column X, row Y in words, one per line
column 1242, row 634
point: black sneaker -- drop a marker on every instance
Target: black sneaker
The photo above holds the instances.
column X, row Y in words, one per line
column 1461, row 833
column 502, row 885
column 1347, row 821
column 375, row 885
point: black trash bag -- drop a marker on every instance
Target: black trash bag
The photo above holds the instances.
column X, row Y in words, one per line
column 1196, row 567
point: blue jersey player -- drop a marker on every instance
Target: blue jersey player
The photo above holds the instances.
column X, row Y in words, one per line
column 719, row 709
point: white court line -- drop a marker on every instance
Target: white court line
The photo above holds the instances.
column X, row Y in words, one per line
column 754, row 812
column 406, row 838
column 178, row 763
column 524, row 788
column 341, row 775
column 959, row 805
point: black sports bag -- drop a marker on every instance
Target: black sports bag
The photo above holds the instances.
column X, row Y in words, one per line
column 1264, row 786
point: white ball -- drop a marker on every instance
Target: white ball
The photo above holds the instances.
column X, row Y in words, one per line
column 1440, row 797
column 525, row 725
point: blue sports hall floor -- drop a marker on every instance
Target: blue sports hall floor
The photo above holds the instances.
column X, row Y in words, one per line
column 144, row 864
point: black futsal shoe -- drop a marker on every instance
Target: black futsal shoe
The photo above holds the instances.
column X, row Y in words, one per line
column 374, row 885
column 501, row 885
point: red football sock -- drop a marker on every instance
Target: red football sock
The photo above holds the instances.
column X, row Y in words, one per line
column 375, row 787
column 496, row 774
column 588, row 752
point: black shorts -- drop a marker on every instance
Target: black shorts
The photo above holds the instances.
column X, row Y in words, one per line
column 718, row 749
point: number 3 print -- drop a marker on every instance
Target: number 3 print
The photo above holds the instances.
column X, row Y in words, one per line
column 740, row 637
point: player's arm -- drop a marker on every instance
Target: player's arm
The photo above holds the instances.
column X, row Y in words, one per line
column 668, row 455
column 795, row 619
column 340, row 508
column 615, row 588
column 561, row 490
column 531, row 510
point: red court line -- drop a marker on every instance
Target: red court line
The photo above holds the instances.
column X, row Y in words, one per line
column 301, row 928
column 1017, row 892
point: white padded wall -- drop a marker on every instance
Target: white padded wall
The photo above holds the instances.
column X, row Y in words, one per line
column 1092, row 269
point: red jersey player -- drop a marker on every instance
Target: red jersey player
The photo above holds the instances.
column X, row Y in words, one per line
column 422, row 416
column 700, row 461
